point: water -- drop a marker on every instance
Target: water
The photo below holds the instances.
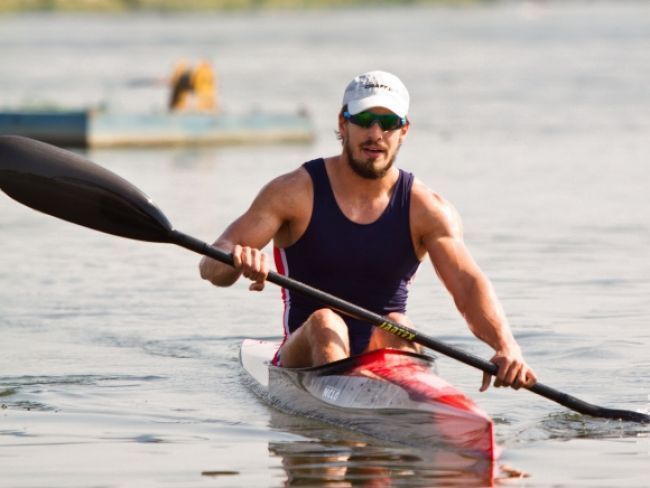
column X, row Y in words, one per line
column 119, row 367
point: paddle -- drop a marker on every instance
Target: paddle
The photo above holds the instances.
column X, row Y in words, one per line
column 67, row 186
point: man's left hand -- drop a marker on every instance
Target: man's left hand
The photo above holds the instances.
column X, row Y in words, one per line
column 513, row 371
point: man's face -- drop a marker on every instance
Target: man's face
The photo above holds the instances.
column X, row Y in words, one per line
column 371, row 151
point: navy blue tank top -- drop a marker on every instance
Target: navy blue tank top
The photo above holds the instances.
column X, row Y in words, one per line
column 370, row 265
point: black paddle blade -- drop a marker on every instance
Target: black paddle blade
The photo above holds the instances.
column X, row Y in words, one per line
column 63, row 184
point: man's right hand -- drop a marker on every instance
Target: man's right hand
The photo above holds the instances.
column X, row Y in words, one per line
column 253, row 264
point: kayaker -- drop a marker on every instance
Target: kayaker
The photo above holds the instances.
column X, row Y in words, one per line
column 193, row 89
column 356, row 226
column 181, row 86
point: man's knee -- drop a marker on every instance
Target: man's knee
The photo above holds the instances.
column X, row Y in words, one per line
column 322, row 338
column 325, row 329
column 324, row 322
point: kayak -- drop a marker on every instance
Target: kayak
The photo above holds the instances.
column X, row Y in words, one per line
column 387, row 394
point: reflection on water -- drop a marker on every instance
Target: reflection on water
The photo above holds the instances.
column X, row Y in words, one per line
column 347, row 463
column 335, row 457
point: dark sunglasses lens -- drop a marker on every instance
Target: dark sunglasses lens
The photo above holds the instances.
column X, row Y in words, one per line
column 389, row 121
column 363, row 119
column 386, row 121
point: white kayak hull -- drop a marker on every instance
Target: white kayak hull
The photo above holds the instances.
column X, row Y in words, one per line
column 388, row 394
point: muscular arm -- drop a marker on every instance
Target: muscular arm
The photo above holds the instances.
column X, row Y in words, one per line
column 439, row 231
column 274, row 214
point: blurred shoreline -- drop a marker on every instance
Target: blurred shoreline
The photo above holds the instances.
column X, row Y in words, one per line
column 9, row 6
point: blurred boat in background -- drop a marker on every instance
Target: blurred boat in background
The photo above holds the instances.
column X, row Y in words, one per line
column 99, row 128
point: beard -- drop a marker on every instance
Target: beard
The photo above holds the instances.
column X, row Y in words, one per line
column 365, row 168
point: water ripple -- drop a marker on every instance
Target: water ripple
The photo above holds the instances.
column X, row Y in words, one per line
column 14, row 382
column 569, row 425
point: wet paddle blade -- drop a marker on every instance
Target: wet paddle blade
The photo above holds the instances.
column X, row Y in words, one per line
column 65, row 185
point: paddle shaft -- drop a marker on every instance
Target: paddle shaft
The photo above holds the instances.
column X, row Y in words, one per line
column 65, row 185
column 408, row 333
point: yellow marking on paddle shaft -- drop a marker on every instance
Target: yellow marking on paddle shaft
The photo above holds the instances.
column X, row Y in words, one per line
column 396, row 330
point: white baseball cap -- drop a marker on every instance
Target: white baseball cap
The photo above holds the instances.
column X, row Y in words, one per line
column 376, row 89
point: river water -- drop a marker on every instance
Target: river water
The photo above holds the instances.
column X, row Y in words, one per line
column 119, row 366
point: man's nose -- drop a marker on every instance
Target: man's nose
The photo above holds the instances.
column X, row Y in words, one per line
column 375, row 129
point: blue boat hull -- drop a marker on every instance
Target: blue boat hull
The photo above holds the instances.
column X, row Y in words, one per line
column 105, row 129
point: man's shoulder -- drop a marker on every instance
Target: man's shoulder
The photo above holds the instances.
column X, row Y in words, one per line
column 431, row 211
column 287, row 193
column 423, row 196
column 294, row 180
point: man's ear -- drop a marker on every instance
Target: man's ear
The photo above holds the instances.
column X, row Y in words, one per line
column 403, row 131
column 342, row 124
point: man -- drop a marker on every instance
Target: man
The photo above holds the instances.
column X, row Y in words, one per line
column 357, row 227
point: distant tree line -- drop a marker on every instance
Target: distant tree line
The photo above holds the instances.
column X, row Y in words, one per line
column 185, row 5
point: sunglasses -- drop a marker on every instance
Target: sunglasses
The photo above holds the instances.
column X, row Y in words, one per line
column 385, row 121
